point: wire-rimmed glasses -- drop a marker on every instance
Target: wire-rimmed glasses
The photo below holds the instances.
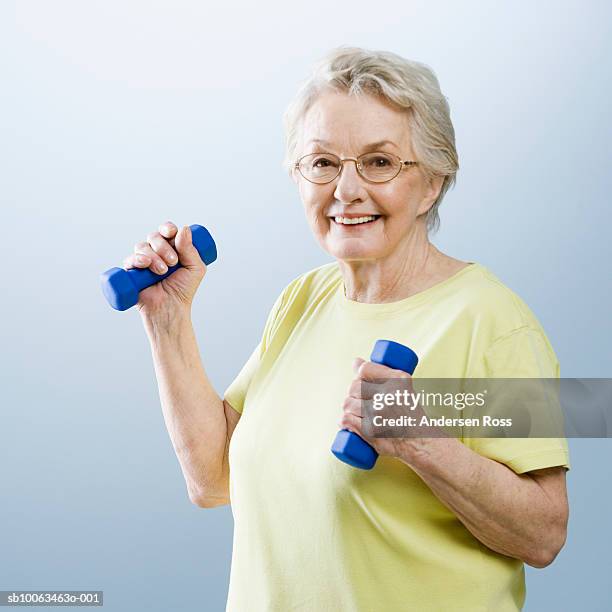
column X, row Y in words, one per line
column 375, row 167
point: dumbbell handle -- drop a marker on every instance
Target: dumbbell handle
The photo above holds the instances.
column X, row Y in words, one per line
column 121, row 287
column 348, row 446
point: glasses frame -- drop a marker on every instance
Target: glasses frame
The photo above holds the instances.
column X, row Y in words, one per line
column 358, row 166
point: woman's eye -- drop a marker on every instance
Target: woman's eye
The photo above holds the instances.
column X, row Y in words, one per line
column 378, row 162
column 322, row 162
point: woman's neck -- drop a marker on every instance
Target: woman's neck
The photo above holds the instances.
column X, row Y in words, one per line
column 410, row 269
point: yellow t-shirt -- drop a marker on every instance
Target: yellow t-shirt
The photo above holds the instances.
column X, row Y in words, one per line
column 312, row 533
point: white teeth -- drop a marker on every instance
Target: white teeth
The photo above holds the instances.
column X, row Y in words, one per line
column 355, row 221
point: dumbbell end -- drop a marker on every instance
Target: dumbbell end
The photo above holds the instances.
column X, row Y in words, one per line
column 394, row 355
column 118, row 288
column 354, row 450
column 204, row 243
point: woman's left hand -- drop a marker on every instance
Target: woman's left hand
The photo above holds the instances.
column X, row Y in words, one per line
column 372, row 378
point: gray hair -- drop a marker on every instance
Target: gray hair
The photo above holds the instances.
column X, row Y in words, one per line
column 406, row 84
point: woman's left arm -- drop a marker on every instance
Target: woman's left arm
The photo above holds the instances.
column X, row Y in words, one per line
column 519, row 515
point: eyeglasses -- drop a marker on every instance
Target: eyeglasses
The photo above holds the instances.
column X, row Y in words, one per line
column 377, row 167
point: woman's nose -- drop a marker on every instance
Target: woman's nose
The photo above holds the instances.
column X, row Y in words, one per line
column 349, row 185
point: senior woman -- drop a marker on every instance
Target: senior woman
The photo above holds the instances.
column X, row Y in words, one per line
column 440, row 523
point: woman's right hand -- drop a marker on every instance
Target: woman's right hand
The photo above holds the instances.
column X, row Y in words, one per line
column 172, row 297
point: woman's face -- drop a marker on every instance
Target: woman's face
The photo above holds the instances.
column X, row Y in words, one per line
column 348, row 126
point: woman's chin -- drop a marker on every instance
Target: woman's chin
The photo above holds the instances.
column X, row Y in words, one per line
column 349, row 250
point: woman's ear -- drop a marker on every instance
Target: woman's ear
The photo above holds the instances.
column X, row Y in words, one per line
column 434, row 186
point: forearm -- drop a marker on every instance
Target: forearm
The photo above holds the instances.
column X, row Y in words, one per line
column 508, row 512
column 193, row 411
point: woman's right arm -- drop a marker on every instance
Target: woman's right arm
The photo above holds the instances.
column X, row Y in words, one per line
column 200, row 423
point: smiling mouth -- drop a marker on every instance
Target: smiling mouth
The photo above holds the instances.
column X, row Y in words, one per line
column 350, row 222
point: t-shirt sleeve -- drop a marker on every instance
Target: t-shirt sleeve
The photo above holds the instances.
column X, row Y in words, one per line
column 235, row 393
column 522, row 353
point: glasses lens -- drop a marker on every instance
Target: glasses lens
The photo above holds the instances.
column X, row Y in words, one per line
column 379, row 167
column 319, row 167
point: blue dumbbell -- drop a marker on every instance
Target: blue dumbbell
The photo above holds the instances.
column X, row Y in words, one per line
column 348, row 446
column 121, row 287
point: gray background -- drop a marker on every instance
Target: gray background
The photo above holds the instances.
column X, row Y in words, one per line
column 113, row 115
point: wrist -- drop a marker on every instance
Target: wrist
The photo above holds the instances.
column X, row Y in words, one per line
column 167, row 325
column 425, row 454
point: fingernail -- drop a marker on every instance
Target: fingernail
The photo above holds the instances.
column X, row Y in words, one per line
column 172, row 258
column 160, row 267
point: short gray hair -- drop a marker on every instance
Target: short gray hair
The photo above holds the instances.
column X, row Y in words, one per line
column 406, row 84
